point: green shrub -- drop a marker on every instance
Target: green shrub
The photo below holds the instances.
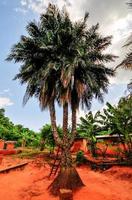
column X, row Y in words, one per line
column 80, row 158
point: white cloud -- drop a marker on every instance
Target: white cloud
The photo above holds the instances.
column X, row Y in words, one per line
column 21, row 10
column 4, row 101
column 122, row 77
column 80, row 113
column 23, row 2
column 6, row 90
column 121, row 28
column 39, row 6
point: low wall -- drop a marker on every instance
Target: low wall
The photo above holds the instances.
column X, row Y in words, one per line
column 79, row 145
column 8, row 152
column 2, row 144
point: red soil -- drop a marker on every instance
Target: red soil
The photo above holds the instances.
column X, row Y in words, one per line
column 31, row 184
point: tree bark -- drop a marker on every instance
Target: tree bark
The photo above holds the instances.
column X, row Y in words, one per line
column 74, row 124
column 53, row 124
column 66, row 159
column 65, row 123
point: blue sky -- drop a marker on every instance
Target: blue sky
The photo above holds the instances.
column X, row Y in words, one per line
column 14, row 16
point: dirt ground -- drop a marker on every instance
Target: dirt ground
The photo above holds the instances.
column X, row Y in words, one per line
column 31, row 183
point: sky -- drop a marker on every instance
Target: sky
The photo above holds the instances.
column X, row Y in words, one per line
column 114, row 17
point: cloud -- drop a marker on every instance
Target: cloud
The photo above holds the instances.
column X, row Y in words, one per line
column 4, row 101
column 6, row 90
column 21, row 10
column 122, row 77
column 23, row 2
column 80, row 113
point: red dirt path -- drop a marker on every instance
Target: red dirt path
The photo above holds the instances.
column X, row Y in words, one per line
column 31, row 184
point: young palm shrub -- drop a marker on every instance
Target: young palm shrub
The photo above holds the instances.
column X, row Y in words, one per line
column 63, row 62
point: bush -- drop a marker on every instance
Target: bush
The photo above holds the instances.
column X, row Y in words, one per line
column 80, row 158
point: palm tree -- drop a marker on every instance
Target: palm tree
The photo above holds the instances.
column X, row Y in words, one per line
column 63, row 62
column 129, row 4
column 127, row 62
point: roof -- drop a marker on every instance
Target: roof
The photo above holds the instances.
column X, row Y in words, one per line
column 108, row 136
column 10, row 142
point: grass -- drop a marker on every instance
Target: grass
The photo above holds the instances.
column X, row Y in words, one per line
column 31, row 153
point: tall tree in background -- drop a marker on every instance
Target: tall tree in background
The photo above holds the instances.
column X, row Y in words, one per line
column 118, row 119
column 127, row 62
column 88, row 128
column 63, row 62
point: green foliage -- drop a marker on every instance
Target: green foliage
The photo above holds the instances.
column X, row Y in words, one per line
column 119, row 118
column 80, row 159
column 113, row 120
column 46, row 136
column 7, row 130
column 23, row 136
column 47, row 139
column 88, row 128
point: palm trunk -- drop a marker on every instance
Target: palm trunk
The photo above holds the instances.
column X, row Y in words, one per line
column 74, row 124
column 65, row 123
column 66, row 154
column 66, row 160
column 53, row 124
column 68, row 177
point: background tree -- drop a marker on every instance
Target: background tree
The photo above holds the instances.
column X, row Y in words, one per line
column 6, row 127
column 118, row 120
column 88, row 128
column 47, row 139
column 127, row 62
column 129, row 4
column 63, row 62
column 23, row 136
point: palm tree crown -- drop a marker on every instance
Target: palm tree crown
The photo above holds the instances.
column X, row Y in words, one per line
column 62, row 60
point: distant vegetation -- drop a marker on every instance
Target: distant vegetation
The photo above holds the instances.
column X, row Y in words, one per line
column 112, row 120
column 26, row 137
column 23, row 136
